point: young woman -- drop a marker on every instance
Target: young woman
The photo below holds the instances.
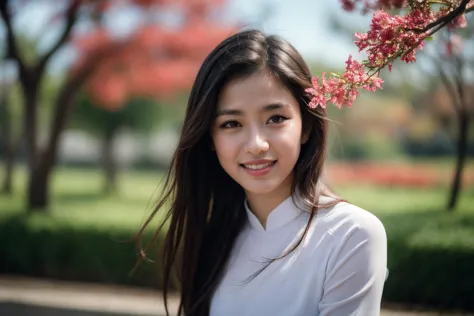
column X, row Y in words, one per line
column 250, row 224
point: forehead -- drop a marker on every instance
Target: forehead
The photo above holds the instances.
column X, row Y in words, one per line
column 258, row 89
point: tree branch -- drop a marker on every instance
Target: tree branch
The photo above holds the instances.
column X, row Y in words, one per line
column 469, row 10
column 71, row 18
column 12, row 48
column 447, row 84
column 65, row 99
column 439, row 24
column 460, row 85
column 448, row 17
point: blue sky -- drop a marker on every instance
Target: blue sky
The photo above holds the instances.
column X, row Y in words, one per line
column 304, row 23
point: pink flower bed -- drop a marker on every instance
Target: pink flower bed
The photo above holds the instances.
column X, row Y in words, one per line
column 393, row 174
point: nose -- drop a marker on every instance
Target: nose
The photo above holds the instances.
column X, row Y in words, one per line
column 257, row 142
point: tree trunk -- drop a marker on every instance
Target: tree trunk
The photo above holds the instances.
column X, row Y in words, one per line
column 7, row 186
column 41, row 164
column 30, row 92
column 30, row 77
column 37, row 171
column 38, row 186
column 460, row 159
column 109, row 163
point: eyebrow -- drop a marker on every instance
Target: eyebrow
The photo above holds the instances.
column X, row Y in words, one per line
column 266, row 108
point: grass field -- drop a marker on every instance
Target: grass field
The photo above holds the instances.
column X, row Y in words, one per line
column 76, row 196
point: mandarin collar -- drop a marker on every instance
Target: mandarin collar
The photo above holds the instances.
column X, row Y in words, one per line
column 285, row 212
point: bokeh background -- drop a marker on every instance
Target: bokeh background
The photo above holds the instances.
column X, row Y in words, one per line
column 92, row 102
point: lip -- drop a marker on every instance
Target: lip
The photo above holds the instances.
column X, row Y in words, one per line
column 259, row 172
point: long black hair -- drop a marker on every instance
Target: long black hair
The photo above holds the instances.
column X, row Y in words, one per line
column 205, row 206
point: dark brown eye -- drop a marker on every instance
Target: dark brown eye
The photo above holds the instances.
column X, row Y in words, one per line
column 276, row 119
column 230, row 124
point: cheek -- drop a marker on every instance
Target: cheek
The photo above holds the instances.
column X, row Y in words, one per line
column 225, row 147
column 288, row 139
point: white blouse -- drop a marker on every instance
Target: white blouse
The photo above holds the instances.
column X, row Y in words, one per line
column 339, row 269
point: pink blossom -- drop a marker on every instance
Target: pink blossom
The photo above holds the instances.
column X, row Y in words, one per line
column 348, row 5
column 389, row 38
column 393, row 36
column 459, row 22
column 318, row 92
column 342, row 90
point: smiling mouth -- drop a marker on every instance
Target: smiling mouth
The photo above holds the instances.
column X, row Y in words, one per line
column 258, row 166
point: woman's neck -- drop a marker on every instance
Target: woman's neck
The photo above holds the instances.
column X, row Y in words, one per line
column 262, row 205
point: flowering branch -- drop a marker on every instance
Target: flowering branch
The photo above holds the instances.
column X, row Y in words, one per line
column 444, row 20
column 389, row 38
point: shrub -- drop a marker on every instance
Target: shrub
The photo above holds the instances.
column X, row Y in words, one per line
column 430, row 259
column 60, row 250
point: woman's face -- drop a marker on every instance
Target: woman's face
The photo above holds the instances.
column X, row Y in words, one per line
column 257, row 133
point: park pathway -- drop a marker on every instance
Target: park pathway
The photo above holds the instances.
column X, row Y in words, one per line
column 28, row 297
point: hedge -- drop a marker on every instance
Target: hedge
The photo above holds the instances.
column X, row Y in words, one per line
column 61, row 250
column 430, row 260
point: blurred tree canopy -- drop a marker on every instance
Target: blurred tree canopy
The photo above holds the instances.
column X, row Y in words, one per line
column 155, row 59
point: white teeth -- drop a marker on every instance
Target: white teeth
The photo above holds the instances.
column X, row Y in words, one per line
column 257, row 167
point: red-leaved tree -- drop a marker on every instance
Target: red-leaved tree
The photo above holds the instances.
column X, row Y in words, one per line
column 395, row 37
column 157, row 63
column 114, row 69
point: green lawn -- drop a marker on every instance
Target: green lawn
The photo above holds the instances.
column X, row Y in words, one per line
column 76, row 197
column 385, row 200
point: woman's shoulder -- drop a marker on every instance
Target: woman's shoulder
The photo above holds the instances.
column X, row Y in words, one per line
column 346, row 217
